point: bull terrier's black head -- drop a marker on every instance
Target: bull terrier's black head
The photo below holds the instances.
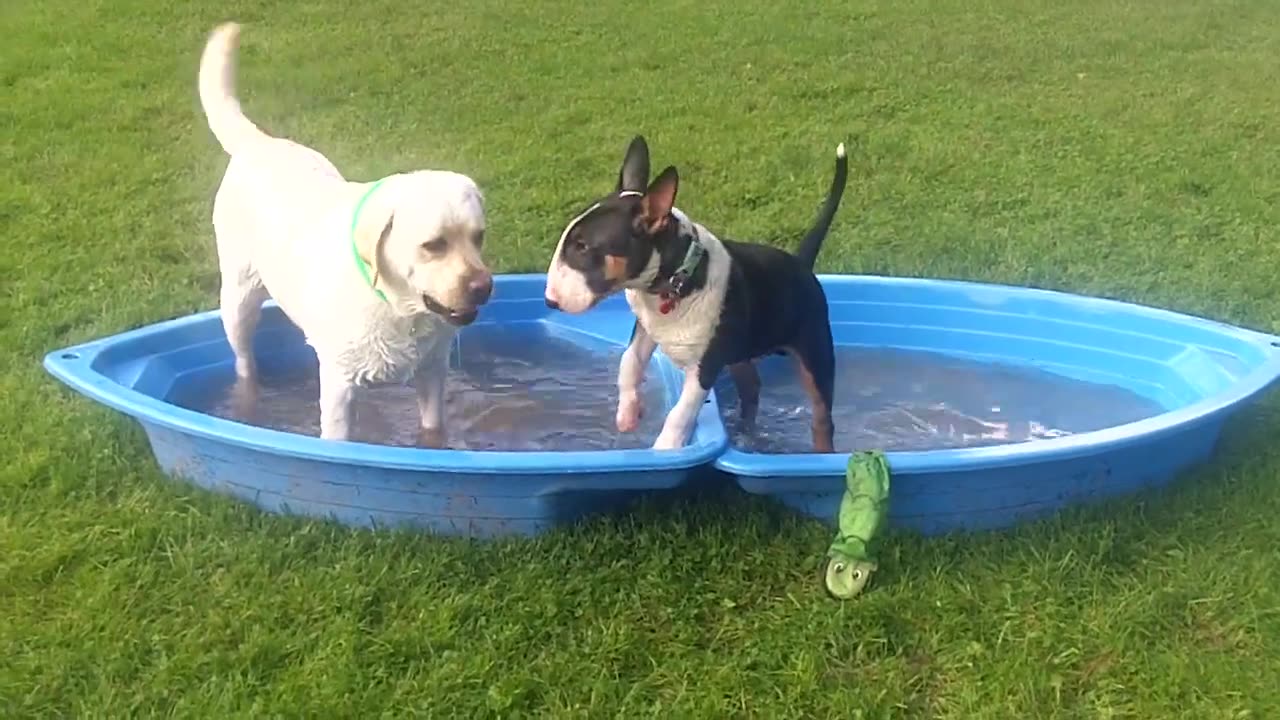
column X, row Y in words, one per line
column 620, row 241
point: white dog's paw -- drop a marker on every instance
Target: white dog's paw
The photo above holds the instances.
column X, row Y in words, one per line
column 432, row 438
column 630, row 410
column 668, row 441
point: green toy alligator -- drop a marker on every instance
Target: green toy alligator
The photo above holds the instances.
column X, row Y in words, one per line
column 862, row 514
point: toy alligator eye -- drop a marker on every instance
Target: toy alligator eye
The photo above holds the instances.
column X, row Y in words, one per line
column 434, row 245
column 857, row 574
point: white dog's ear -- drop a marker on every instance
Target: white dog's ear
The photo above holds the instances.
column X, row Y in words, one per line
column 370, row 248
column 658, row 200
column 634, row 174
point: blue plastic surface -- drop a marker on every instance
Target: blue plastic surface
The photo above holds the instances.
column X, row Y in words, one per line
column 1200, row 371
column 468, row 493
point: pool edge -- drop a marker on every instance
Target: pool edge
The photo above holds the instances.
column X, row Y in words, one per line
column 1207, row 410
column 73, row 366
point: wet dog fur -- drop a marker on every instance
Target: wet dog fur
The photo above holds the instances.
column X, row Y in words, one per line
column 289, row 226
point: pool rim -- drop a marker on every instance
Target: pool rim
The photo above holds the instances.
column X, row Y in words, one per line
column 1206, row 410
column 74, row 366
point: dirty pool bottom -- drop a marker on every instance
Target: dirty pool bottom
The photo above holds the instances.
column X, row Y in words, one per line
column 513, row 388
column 898, row 400
column 518, row 388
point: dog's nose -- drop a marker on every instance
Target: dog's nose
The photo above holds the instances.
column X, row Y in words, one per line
column 480, row 289
column 552, row 304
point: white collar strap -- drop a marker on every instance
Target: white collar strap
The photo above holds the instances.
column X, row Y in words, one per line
column 588, row 211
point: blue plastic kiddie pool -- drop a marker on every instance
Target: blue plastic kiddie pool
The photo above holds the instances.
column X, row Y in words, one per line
column 1128, row 396
column 1039, row 400
column 146, row 373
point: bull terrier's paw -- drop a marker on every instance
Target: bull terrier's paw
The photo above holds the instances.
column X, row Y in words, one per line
column 668, row 441
column 630, row 410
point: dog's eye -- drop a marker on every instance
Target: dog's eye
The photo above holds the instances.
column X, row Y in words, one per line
column 434, row 245
column 577, row 243
column 478, row 238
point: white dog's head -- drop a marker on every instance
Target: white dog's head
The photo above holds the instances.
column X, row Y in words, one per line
column 421, row 234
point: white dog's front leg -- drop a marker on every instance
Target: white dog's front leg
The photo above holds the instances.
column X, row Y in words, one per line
column 635, row 360
column 679, row 423
column 429, row 381
column 336, row 396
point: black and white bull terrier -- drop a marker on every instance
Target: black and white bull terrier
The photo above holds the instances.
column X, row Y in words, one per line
column 708, row 303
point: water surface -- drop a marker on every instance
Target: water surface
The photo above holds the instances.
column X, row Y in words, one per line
column 901, row 400
column 509, row 388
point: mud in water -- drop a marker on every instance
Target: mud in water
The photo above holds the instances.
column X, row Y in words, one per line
column 509, row 388
column 910, row 401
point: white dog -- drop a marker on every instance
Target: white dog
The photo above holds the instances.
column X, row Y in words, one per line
column 378, row 275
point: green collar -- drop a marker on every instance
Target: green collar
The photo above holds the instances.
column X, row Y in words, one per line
column 361, row 265
column 692, row 259
column 674, row 290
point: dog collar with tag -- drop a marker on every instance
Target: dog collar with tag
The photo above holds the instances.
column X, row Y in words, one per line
column 361, row 265
column 674, row 291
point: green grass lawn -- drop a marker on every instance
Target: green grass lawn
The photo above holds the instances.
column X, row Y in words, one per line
column 1112, row 147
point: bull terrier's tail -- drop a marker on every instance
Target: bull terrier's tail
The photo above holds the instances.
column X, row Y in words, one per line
column 808, row 252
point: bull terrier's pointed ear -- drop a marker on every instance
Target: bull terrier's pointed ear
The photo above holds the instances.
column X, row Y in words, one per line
column 634, row 174
column 659, row 199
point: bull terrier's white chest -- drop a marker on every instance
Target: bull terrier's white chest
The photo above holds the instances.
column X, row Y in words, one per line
column 684, row 333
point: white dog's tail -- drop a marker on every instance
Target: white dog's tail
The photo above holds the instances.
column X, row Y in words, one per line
column 218, row 90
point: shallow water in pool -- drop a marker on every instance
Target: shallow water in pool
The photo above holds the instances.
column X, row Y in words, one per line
column 898, row 400
column 509, row 388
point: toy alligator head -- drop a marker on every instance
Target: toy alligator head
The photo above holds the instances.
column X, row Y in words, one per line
column 845, row 579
